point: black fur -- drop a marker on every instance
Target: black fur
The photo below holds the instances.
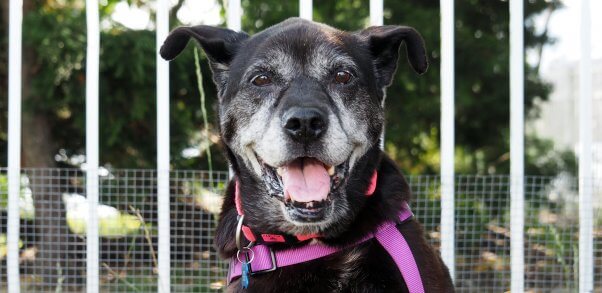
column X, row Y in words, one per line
column 373, row 54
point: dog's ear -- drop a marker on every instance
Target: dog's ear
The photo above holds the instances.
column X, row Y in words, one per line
column 384, row 43
column 219, row 44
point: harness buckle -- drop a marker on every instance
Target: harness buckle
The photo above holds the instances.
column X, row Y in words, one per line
column 273, row 268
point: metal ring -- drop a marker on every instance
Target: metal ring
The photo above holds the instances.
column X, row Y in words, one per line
column 238, row 230
column 247, row 251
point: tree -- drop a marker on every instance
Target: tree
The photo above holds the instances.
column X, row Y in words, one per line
column 127, row 83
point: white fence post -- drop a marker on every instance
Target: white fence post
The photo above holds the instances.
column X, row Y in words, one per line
column 233, row 21
column 376, row 18
column 14, row 144
column 233, row 15
column 92, row 68
column 163, row 200
column 306, row 9
column 517, row 195
column 376, row 12
column 447, row 136
column 586, row 213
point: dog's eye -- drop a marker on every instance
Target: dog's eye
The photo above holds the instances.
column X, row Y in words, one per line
column 342, row 77
column 261, row 80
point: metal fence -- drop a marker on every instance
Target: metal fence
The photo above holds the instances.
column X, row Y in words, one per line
column 53, row 216
column 463, row 214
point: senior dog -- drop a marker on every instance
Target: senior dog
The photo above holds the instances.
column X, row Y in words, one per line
column 315, row 205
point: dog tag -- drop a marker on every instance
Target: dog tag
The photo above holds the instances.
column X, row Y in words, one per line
column 248, row 256
column 244, row 279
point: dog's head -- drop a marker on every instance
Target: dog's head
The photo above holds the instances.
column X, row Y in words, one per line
column 300, row 109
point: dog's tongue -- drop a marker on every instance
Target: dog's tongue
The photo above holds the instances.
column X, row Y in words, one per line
column 306, row 180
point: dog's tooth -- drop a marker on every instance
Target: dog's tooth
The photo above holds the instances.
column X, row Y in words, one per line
column 287, row 197
column 331, row 170
column 280, row 170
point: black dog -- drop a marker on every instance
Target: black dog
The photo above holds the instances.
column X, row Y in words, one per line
column 301, row 114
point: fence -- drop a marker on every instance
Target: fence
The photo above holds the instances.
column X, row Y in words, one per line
column 129, row 237
column 449, row 202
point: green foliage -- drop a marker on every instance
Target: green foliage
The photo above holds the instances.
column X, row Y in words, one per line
column 55, row 31
column 545, row 160
column 482, row 84
column 57, row 37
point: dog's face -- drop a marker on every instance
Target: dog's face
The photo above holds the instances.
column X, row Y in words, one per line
column 300, row 105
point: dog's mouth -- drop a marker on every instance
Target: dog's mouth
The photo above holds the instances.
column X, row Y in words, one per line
column 305, row 186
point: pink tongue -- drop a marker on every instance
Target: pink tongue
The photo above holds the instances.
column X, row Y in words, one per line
column 306, row 180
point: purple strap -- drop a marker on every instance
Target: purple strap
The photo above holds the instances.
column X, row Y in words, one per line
column 387, row 235
column 396, row 245
column 286, row 257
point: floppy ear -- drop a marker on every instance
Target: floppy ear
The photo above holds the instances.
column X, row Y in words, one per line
column 384, row 43
column 219, row 44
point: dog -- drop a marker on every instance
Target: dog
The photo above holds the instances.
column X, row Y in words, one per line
column 301, row 113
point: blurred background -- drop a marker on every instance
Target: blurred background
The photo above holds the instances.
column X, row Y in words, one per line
column 54, row 67
column 53, row 148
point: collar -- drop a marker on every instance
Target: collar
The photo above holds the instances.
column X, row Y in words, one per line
column 261, row 258
column 258, row 238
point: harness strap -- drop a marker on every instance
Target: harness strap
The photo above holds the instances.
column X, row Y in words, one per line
column 396, row 245
column 387, row 234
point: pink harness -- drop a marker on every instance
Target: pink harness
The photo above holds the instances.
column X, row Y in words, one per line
column 263, row 259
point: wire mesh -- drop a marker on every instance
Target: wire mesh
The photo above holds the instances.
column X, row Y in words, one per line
column 597, row 187
column 482, row 234
column 54, row 213
column 551, row 234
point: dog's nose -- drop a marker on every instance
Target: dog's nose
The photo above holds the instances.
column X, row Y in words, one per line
column 304, row 124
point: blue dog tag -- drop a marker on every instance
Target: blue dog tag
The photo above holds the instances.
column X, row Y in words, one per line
column 245, row 261
column 244, row 280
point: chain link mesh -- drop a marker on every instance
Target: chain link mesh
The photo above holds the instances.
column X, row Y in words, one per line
column 54, row 212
